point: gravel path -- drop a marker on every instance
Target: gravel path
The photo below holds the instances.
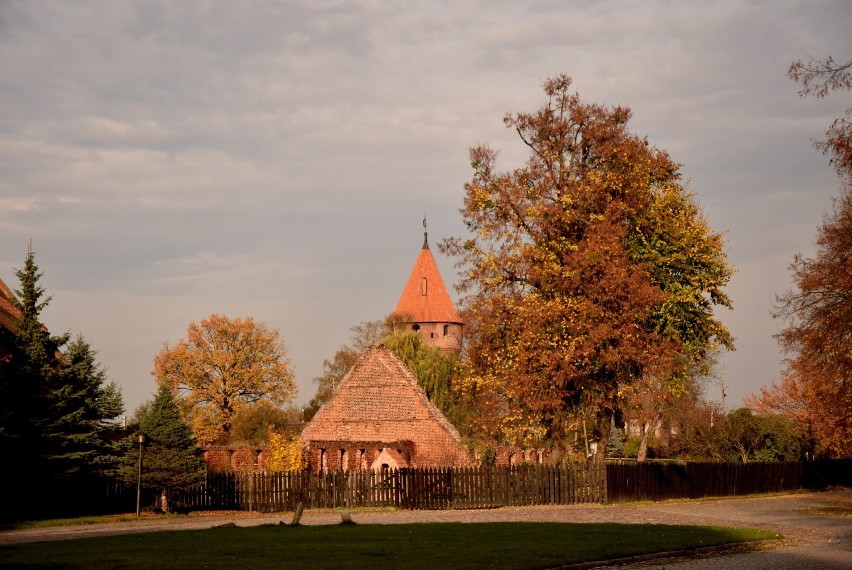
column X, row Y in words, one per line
column 816, row 540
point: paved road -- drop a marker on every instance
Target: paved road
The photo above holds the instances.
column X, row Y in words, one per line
column 818, row 540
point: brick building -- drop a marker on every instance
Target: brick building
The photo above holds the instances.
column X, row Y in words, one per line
column 379, row 417
column 426, row 302
column 9, row 317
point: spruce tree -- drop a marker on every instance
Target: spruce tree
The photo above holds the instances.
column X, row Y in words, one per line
column 28, row 377
column 83, row 405
column 170, row 457
column 55, row 411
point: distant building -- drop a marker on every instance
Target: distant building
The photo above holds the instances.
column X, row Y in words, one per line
column 379, row 417
column 9, row 317
column 426, row 302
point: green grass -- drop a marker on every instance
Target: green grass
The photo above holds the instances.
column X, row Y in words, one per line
column 74, row 521
column 425, row 545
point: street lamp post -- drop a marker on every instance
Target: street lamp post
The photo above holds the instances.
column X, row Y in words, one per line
column 141, row 439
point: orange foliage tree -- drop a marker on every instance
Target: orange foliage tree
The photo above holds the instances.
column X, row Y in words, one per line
column 816, row 387
column 223, row 365
column 819, row 77
column 588, row 268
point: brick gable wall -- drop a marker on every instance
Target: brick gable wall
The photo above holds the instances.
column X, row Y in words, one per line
column 377, row 405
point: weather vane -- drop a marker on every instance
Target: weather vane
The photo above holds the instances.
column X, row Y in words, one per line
column 425, row 234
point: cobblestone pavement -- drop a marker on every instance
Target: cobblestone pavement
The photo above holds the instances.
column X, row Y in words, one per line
column 816, row 540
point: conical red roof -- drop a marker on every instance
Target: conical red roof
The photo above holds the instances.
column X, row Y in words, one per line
column 425, row 295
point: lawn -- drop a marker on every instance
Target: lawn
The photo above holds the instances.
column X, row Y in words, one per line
column 425, row 545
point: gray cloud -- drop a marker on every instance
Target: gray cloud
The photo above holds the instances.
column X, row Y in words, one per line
column 171, row 160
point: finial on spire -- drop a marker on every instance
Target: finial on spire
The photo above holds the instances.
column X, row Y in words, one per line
column 425, row 235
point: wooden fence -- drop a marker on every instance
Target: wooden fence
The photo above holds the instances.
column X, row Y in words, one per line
column 438, row 488
column 661, row 480
column 473, row 488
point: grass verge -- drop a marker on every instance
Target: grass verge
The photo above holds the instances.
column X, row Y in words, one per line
column 423, row 545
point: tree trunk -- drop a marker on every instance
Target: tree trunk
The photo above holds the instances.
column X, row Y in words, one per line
column 555, row 454
column 643, row 445
column 604, row 423
column 164, row 502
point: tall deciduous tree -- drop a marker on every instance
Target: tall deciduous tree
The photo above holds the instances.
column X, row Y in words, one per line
column 224, row 364
column 819, row 77
column 588, row 268
column 816, row 387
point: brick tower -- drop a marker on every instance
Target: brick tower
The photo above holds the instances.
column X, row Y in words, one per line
column 428, row 305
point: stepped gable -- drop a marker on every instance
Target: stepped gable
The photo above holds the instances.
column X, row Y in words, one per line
column 379, row 405
column 425, row 296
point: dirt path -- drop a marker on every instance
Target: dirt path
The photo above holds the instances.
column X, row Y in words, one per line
column 819, row 540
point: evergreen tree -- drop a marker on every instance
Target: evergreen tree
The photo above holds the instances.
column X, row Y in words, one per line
column 83, row 403
column 55, row 410
column 170, row 457
column 26, row 379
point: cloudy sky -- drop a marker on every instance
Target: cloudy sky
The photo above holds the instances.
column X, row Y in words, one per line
column 170, row 160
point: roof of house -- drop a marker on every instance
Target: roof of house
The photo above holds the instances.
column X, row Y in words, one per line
column 9, row 315
column 425, row 296
column 379, row 399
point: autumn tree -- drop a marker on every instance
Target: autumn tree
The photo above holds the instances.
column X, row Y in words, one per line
column 589, row 268
column 795, row 400
column 657, row 401
column 253, row 421
column 286, row 451
column 816, row 386
column 819, row 77
column 223, row 365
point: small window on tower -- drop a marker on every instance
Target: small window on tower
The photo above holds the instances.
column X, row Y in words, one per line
column 423, row 287
column 415, row 327
column 446, row 330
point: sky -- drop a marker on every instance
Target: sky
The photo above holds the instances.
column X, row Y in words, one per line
column 170, row 160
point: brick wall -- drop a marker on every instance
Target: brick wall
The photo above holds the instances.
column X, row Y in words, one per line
column 380, row 401
column 353, row 455
column 231, row 458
